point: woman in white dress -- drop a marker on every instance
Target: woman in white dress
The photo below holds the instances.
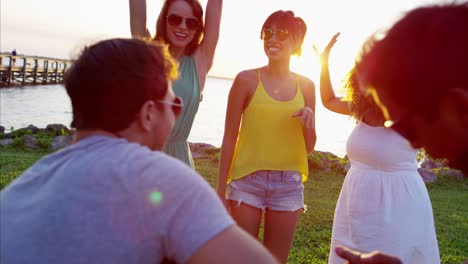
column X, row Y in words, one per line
column 383, row 204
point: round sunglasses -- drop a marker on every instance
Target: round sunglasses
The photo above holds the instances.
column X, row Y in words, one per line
column 175, row 21
column 281, row 34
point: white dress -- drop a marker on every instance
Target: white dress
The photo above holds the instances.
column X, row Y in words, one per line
column 384, row 204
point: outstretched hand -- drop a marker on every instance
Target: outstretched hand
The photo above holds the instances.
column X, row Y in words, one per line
column 307, row 116
column 375, row 257
column 326, row 51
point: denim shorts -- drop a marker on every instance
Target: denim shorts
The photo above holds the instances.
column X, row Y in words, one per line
column 275, row 190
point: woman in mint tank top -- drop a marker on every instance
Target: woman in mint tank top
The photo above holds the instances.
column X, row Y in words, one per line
column 192, row 43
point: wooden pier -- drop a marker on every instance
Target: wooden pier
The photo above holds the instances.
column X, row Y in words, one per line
column 27, row 70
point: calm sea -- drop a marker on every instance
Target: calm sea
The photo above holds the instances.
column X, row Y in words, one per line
column 46, row 104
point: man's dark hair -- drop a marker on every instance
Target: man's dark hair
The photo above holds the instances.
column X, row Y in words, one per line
column 111, row 80
column 421, row 57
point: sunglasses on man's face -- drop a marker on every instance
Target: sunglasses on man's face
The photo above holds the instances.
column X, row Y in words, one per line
column 281, row 34
column 176, row 104
column 175, row 20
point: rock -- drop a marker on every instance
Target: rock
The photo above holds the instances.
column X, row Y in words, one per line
column 8, row 135
column 326, row 154
column 430, row 164
column 457, row 174
column 324, row 164
column 197, row 155
column 30, row 141
column 200, row 146
column 201, row 150
column 313, row 163
column 60, row 142
column 6, row 142
column 2, row 129
column 57, row 128
column 34, row 129
column 326, row 161
column 347, row 166
column 427, row 175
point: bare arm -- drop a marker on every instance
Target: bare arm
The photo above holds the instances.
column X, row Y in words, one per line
column 237, row 101
column 327, row 95
column 309, row 131
column 233, row 245
column 204, row 54
column 138, row 19
column 307, row 114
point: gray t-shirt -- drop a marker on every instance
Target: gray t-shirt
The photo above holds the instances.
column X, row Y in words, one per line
column 105, row 200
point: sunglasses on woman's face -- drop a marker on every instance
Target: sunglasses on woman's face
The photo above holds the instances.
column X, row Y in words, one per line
column 175, row 20
column 281, row 34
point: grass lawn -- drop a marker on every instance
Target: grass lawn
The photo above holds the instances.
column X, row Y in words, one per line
column 312, row 242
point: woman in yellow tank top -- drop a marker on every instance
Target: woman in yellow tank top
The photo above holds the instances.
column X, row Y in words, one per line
column 269, row 130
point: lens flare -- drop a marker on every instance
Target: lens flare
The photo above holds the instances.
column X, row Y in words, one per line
column 156, row 197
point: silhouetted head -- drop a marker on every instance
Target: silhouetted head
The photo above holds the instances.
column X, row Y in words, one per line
column 112, row 79
column 180, row 23
column 282, row 26
column 418, row 73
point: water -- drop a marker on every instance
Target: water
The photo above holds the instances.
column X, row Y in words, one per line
column 46, row 104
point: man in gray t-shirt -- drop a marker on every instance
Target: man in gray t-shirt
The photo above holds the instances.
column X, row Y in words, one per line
column 112, row 196
column 106, row 200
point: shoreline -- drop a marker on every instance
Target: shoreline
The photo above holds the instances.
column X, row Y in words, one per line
column 57, row 136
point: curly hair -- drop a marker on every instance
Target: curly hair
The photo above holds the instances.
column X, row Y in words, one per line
column 360, row 104
column 424, row 53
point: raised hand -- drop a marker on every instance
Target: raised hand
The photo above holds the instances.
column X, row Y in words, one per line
column 307, row 117
column 326, row 51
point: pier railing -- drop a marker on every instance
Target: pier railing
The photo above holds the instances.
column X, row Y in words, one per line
column 31, row 69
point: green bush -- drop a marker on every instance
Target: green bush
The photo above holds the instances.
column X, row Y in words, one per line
column 20, row 133
column 18, row 141
column 44, row 139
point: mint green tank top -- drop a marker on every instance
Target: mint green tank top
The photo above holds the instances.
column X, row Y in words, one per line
column 187, row 87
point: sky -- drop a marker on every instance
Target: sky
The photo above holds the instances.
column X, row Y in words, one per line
column 60, row 28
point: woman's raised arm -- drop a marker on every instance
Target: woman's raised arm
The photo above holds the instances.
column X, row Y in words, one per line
column 327, row 95
column 205, row 52
column 138, row 19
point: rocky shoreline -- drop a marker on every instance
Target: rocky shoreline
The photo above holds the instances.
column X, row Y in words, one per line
column 57, row 136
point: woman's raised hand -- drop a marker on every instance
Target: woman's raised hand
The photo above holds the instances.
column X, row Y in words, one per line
column 326, row 51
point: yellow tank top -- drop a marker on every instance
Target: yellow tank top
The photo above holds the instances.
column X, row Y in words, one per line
column 269, row 137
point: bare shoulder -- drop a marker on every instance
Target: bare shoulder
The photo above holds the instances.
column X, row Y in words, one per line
column 306, row 84
column 246, row 80
column 247, row 76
